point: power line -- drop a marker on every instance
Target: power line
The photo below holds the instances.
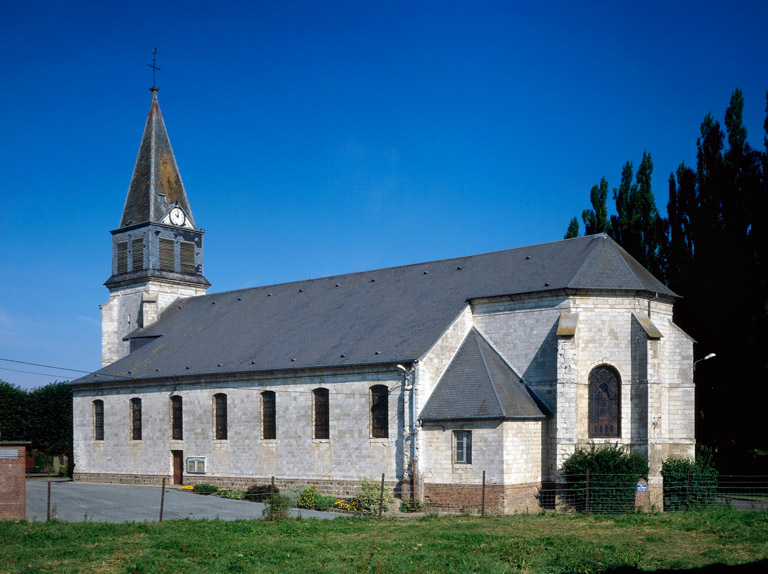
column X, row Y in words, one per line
column 29, row 372
column 46, row 366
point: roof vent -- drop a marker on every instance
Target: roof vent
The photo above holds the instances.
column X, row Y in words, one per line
column 269, row 294
column 239, row 298
column 426, row 273
column 253, row 362
column 527, row 257
column 157, row 370
column 293, row 359
column 343, row 356
column 338, row 284
column 458, row 268
column 377, row 353
column 219, row 364
column 187, row 368
column 546, row 284
column 213, row 302
column 301, row 290
column 373, row 280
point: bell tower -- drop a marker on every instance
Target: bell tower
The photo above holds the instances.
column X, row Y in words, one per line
column 157, row 251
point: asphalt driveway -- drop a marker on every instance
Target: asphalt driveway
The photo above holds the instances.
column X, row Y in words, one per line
column 83, row 501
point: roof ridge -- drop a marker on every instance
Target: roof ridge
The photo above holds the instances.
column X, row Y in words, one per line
column 488, row 371
column 614, row 246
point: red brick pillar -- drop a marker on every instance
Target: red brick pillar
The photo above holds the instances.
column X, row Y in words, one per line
column 13, row 486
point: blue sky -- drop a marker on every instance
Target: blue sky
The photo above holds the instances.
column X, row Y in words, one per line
column 317, row 138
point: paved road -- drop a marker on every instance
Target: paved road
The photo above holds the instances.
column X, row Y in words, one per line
column 79, row 501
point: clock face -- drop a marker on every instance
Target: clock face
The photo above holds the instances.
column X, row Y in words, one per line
column 177, row 216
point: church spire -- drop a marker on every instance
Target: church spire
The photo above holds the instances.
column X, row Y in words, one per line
column 156, row 185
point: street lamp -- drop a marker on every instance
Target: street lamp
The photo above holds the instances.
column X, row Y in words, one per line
column 710, row 356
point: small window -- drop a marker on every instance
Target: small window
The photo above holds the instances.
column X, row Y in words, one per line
column 196, row 465
column 268, row 415
column 462, row 452
column 187, row 257
column 166, row 255
column 604, row 394
column 137, row 259
column 379, row 411
column 177, row 419
column 320, row 398
column 220, row 416
column 122, row 257
column 98, row 420
column 136, row 419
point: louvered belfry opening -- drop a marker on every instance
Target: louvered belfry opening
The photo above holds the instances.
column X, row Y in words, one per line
column 268, row 416
column 136, row 419
column 322, row 429
column 187, row 255
column 137, row 261
column 166, row 255
column 220, row 416
column 122, row 257
column 177, row 419
column 379, row 411
column 604, row 395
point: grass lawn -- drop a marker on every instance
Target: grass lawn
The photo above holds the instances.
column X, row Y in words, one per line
column 522, row 543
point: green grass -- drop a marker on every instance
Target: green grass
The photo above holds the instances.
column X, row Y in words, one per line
column 523, row 543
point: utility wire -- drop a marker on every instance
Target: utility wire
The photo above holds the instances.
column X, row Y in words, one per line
column 30, row 372
column 46, row 366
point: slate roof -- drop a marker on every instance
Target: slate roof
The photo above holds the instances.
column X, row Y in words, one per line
column 156, row 182
column 385, row 316
column 479, row 384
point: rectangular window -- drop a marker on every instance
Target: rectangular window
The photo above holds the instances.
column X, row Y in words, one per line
column 122, row 257
column 177, row 421
column 136, row 419
column 268, row 416
column 462, row 446
column 379, row 411
column 196, row 465
column 137, row 260
column 187, row 256
column 322, row 429
column 98, row 420
column 220, row 416
column 166, row 255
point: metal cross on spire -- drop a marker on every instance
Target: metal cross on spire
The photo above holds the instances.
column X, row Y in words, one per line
column 155, row 69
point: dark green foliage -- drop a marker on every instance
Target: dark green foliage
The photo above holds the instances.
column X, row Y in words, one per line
column 689, row 484
column 325, row 502
column 612, row 482
column 596, row 219
column 13, row 412
column 277, row 509
column 573, row 229
column 204, row 488
column 411, row 505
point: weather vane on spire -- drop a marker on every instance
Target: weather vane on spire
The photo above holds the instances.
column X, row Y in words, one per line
column 154, row 71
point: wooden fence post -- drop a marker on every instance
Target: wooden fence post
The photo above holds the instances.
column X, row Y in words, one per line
column 48, row 510
column 162, row 500
column 482, row 511
column 271, row 496
column 381, row 495
column 587, row 494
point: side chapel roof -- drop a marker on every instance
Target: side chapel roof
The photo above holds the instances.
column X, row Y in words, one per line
column 384, row 316
column 156, row 182
column 479, row 384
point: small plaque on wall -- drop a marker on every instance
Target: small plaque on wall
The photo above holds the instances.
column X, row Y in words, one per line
column 9, row 453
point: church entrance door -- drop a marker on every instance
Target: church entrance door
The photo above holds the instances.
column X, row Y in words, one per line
column 178, row 466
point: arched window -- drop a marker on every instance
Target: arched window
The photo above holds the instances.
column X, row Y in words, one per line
column 220, row 416
column 177, row 418
column 379, row 411
column 321, row 423
column 604, row 396
column 98, row 420
column 136, row 419
column 268, row 416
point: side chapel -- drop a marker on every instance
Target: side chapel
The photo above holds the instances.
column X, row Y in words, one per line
column 431, row 374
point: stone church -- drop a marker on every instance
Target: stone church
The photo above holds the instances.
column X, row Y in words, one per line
column 434, row 374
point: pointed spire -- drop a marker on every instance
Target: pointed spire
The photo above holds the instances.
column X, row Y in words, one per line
column 156, row 183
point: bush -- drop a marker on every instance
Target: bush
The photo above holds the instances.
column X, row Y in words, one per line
column 411, row 505
column 260, row 492
column 278, row 510
column 687, row 483
column 233, row 494
column 367, row 499
column 294, row 491
column 325, row 502
column 309, row 497
column 203, row 488
column 614, row 473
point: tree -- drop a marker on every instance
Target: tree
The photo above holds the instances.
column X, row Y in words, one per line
column 573, row 229
column 13, row 412
column 596, row 219
column 50, row 415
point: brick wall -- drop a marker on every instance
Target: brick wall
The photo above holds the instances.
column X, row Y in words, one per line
column 13, row 486
column 499, row 498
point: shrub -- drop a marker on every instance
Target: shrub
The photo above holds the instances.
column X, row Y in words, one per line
column 325, row 502
column 689, row 483
column 294, row 491
column 345, row 504
column 259, row 492
column 309, row 497
column 203, row 488
column 278, row 510
column 411, row 505
column 233, row 494
column 614, row 473
column 367, row 499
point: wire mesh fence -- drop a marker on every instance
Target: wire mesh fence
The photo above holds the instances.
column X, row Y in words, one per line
column 270, row 498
